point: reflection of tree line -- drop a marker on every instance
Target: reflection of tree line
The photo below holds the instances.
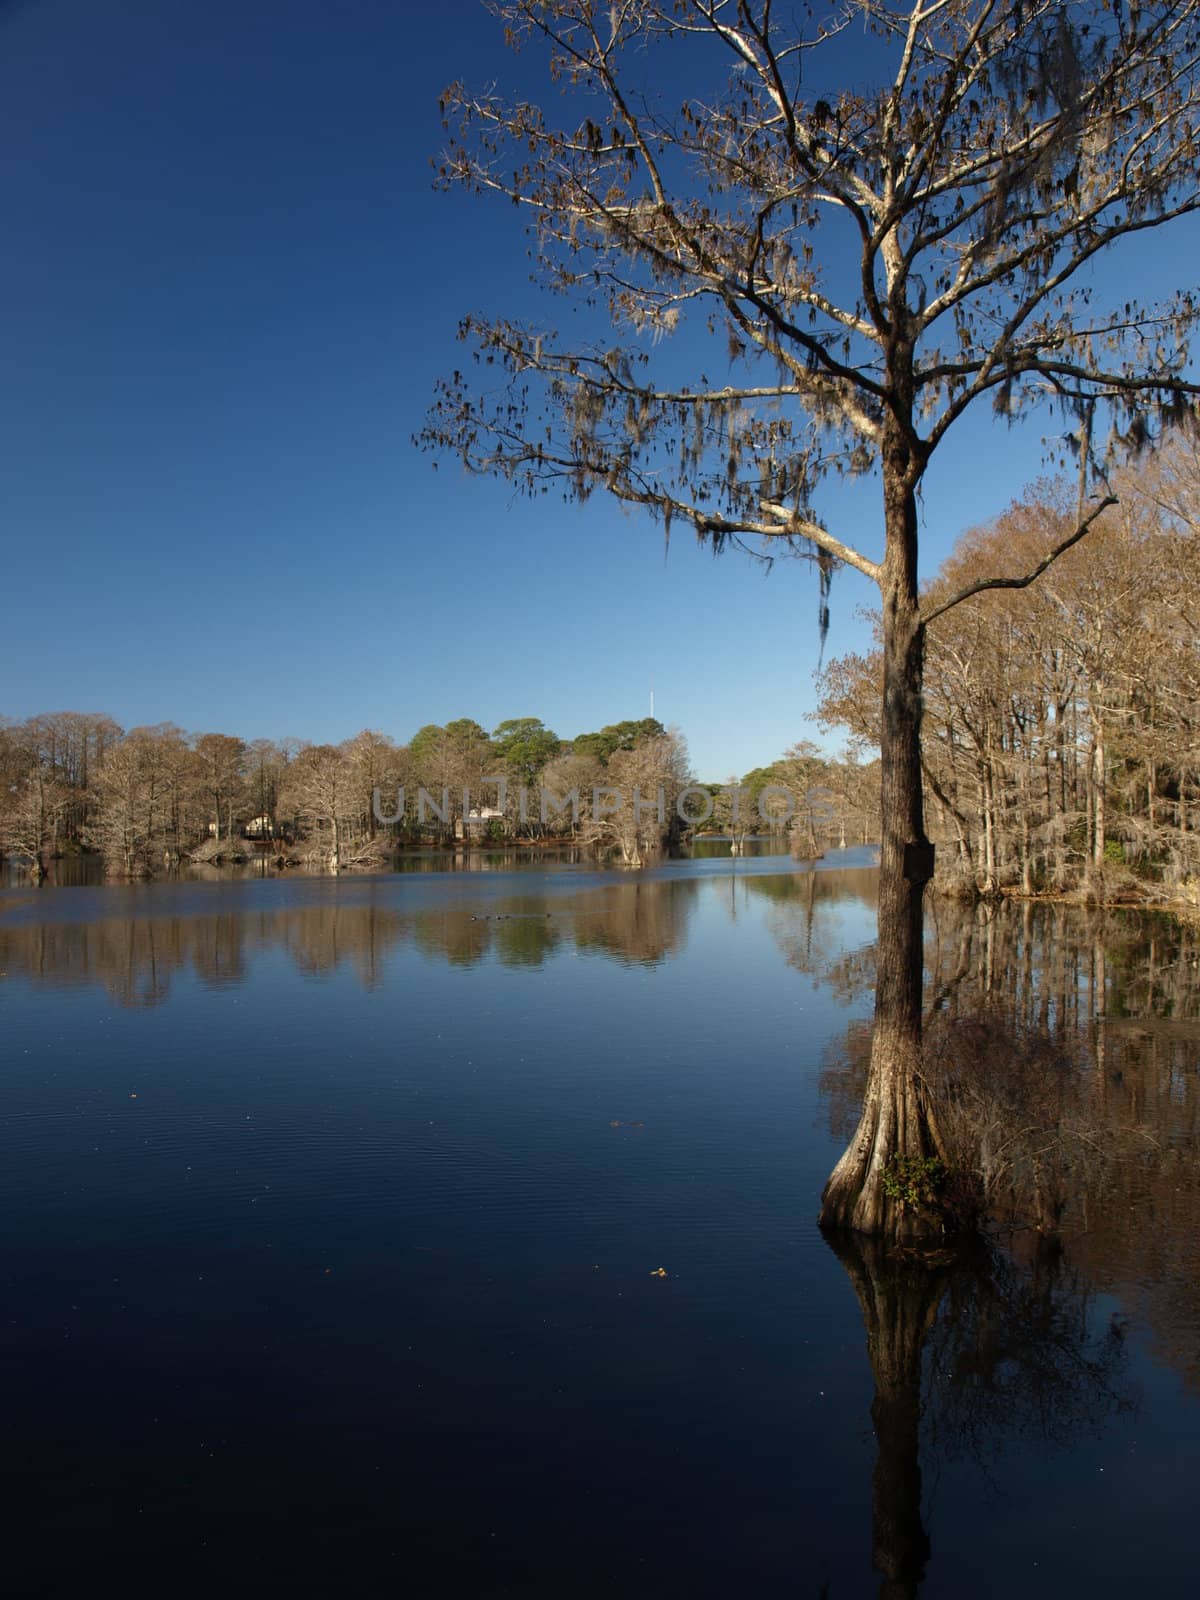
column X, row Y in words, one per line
column 135, row 958
column 810, row 890
column 1053, row 967
column 969, row 1346
column 969, row 1349
column 1069, row 1041
column 804, row 919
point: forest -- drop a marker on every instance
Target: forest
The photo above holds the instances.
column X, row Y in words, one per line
column 147, row 798
column 1060, row 741
column 1060, row 752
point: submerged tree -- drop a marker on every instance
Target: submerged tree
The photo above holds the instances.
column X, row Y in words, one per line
column 871, row 263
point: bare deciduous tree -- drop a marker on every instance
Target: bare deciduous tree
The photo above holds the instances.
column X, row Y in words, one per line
column 989, row 151
column 319, row 787
column 634, row 809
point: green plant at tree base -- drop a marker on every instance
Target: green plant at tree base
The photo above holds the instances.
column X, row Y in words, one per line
column 913, row 1181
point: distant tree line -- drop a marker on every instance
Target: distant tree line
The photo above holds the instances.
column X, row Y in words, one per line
column 149, row 797
column 1061, row 739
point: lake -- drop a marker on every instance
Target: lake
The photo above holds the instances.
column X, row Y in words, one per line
column 335, row 1213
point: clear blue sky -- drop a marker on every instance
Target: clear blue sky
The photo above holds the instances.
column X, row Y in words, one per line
column 228, row 290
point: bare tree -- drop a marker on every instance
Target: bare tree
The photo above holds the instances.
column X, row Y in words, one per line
column 222, row 761
column 375, row 764
column 732, row 815
column 802, row 769
column 30, row 818
column 634, row 809
column 319, row 786
column 123, row 826
column 567, row 781
column 1000, row 146
column 1059, row 725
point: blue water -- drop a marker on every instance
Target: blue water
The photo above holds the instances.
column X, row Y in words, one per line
column 333, row 1215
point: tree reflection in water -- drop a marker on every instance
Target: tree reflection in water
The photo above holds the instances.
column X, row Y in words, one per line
column 1067, row 1042
column 969, row 1347
column 134, row 956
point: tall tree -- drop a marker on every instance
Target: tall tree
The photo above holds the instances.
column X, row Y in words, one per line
column 448, row 760
column 525, row 744
column 875, row 262
column 637, row 815
column 617, row 736
column 31, row 817
column 222, row 762
column 375, row 764
column 319, row 787
column 137, row 797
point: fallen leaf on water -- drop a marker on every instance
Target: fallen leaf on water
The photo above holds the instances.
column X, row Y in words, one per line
column 659, row 1272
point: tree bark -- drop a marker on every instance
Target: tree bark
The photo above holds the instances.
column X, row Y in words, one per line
column 1099, row 775
column 896, row 1127
column 989, row 828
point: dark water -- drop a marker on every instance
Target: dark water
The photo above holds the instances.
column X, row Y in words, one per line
column 333, row 1212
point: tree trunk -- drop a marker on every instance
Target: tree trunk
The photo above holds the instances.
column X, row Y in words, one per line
column 1099, row 787
column 1026, row 857
column 1027, row 770
column 989, row 830
column 896, row 1132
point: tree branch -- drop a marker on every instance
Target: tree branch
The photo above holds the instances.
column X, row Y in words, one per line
column 825, row 541
column 1030, row 577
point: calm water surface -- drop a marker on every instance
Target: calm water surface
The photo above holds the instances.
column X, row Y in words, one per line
column 333, row 1213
